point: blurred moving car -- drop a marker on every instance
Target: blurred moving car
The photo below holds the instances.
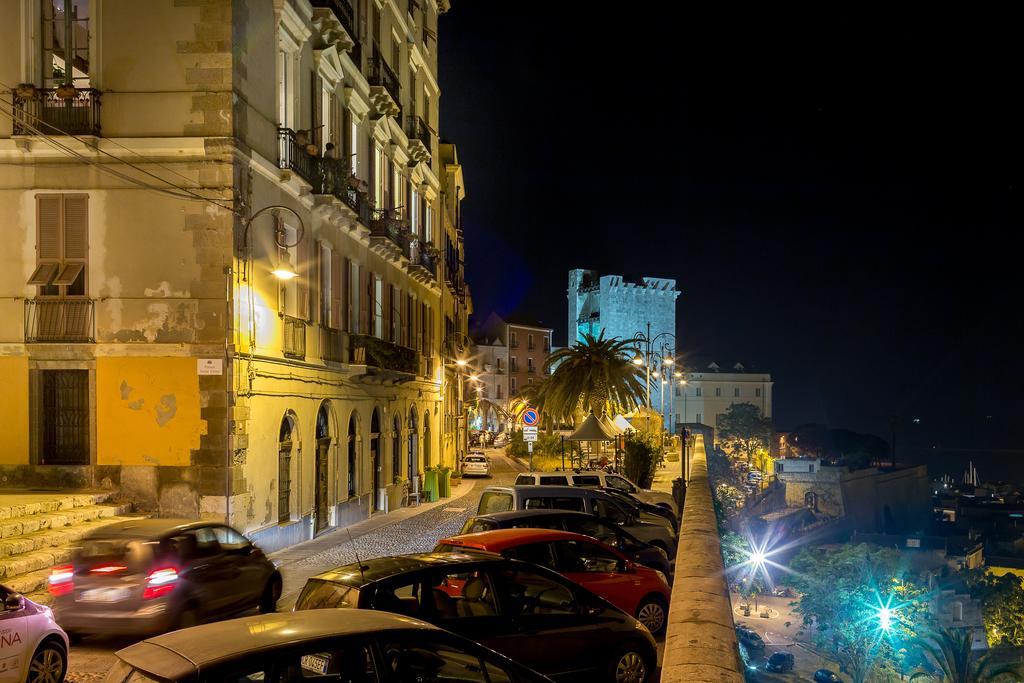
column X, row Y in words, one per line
column 652, row 529
column 32, row 646
column 749, row 638
column 604, row 530
column 477, row 465
column 826, row 676
column 152, row 575
column 599, row 479
column 323, row 645
column 637, row 590
column 528, row 613
column 780, row 662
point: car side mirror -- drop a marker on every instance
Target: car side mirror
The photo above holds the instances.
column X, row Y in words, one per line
column 14, row 602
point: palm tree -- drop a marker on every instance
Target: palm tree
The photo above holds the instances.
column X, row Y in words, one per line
column 594, row 375
column 950, row 648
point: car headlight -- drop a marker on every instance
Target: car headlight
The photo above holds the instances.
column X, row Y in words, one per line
column 661, row 575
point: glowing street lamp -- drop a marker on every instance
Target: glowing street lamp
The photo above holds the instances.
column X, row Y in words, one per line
column 639, row 360
column 283, row 272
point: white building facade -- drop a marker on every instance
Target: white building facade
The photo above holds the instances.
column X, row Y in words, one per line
column 709, row 392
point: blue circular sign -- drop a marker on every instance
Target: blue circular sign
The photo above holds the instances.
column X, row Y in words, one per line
column 531, row 418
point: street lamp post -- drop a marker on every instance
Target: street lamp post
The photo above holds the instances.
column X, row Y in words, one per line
column 647, row 359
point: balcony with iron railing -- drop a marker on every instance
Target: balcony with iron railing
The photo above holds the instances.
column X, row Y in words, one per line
column 293, row 155
column 56, row 111
column 332, row 345
column 385, row 88
column 420, row 138
column 389, row 234
column 343, row 11
column 368, row 350
column 60, row 321
column 335, row 178
column 423, row 263
column 294, row 340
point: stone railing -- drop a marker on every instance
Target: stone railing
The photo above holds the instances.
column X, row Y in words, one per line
column 700, row 644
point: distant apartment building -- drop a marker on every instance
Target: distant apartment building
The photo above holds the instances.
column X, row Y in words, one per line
column 491, row 361
column 709, row 392
column 528, row 349
column 625, row 307
column 509, row 356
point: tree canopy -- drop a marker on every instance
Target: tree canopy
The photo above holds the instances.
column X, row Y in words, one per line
column 744, row 425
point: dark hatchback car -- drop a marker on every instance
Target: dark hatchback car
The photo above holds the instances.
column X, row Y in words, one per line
column 603, row 530
column 780, row 662
column 528, row 613
column 640, row 506
column 152, row 575
column 320, row 645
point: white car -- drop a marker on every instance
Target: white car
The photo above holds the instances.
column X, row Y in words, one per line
column 476, row 465
column 30, row 641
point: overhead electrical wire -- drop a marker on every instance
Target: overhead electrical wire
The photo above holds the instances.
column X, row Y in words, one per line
column 180, row 193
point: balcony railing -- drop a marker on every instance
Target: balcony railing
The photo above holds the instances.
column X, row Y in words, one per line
column 335, row 178
column 343, row 11
column 60, row 320
column 293, row 155
column 43, row 110
column 386, row 224
column 382, row 75
column 418, row 132
column 294, row 345
column 373, row 352
column 332, row 345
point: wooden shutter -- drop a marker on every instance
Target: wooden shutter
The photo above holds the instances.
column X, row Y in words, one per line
column 336, row 280
column 371, row 174
column 316, row 102
column 305, row 269
column 365, row 303
column 76, row 226
column 48, row 208
column 385, row 304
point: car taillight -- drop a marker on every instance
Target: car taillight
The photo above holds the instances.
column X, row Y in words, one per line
column 160, row 582
column 62, row 579
column 108, row 569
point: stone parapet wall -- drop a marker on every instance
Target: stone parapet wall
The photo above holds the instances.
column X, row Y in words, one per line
column 700, row 644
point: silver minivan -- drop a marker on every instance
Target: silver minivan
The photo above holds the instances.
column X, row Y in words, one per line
column 649, row 528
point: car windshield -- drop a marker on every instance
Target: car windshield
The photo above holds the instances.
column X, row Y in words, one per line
column 319, row 594
column 475, row 458
column 133, row 553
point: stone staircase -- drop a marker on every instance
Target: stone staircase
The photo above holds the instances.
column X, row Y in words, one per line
column 39, row 530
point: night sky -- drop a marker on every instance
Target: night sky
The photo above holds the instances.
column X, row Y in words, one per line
column 837, row 197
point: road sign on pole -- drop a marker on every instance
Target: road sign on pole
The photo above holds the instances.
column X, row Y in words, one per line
column 531, row 418
column 529, row 434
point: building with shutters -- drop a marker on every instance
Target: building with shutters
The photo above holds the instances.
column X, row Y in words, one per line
column 710, row 389
column 164, row 331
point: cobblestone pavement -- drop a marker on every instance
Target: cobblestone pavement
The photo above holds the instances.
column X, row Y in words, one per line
column 417, row 532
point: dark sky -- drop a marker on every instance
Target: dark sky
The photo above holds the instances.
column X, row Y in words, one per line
column 837, row 196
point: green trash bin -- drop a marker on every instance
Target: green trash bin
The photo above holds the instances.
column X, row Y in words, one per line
column 430, row 486
column 445, row 481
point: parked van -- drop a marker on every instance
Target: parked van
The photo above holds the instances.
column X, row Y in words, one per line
column 599, row 479
column 649, row 528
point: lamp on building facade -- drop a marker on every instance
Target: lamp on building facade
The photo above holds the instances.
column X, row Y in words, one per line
column 282, row 271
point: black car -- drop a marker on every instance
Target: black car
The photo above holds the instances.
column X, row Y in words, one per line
column 148, row 576
column 641, row 506
column 320, row 645
column 603, row 530
column 527, row 613
column 749, row 638
column 780, row 662
column 826, row 676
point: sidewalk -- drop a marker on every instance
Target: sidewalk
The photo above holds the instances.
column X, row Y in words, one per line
column 301, row 551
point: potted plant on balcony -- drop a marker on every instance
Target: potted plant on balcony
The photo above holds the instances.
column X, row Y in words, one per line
column 66, row 91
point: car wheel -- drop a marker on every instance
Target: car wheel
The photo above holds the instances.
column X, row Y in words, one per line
column 653, row 613
column 629, row 665
column 48, row 664
column 271, row 594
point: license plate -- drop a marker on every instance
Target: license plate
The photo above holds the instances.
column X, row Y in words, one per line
column 104, row 595
column 316, row 663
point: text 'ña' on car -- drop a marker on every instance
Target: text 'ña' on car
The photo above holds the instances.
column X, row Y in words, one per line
column 528, row 613
column 637, row 590
column 317, row 645
column 32, row 646
column 476, row 464
column 152, row 575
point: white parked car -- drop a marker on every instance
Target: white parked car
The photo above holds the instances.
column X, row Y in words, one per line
column 31, row 642
column 476, row 465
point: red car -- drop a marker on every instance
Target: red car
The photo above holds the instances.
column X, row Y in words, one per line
column 633, row 588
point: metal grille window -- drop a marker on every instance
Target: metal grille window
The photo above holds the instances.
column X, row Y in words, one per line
column 65, row 42
column 284, row 472
column 63, row 427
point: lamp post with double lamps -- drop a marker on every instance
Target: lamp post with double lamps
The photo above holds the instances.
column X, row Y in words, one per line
column 647, row 360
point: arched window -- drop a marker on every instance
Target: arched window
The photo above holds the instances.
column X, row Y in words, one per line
column 376, row 466
column 426, row 440
column 353, row 437
column 413, row 459
column 284, row 468
column 321, row 467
